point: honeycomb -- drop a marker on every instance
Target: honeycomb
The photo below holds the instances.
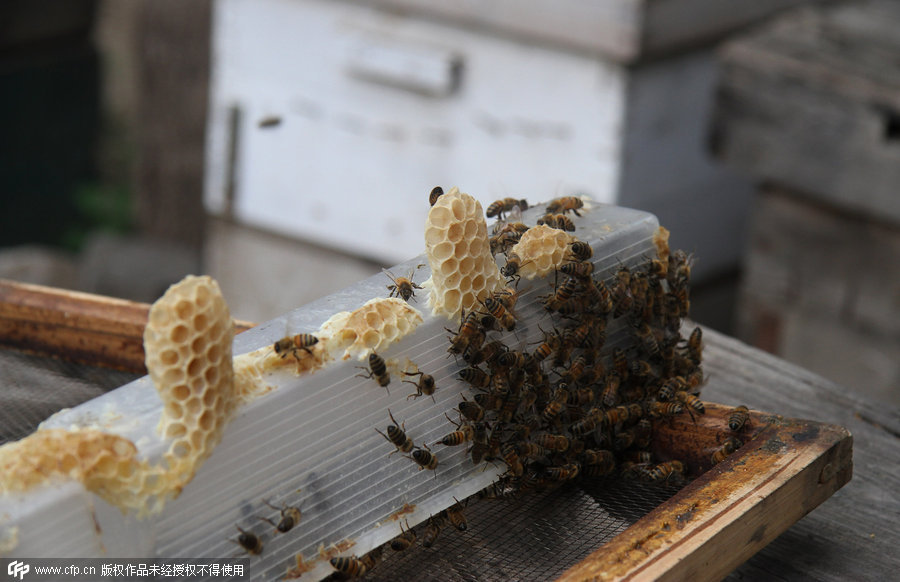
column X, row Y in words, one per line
column 374, row 326
column 187, row 343
column 541, row 250
column 459, row 252
column 105, row 463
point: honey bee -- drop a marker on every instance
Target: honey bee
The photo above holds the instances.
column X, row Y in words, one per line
column 349, row 566
column 600, row 296
column 269, row 121
column 425, row 385
column 564, row 473
column 507, row 297
column 480, row 446
column 489, row 352
column 658, row 409
column 657, row 269
column 553, row 442
column 622, row 413
column 436, row 193
column 621, row 292
column 463, row 434
column 290, row 516
column 548, row 346
column 695, row 345
column 249, row 541
column 593, row 418
column 738, row 418
column 470, row 333
column 511, row 458
column 633, row 470
column 405, row 540
column 513, row 264
column 432, row 530
column 730, row 445
column 293, row 344
column 645, row 334
column 580, row 250
column 529, row 450
column 425, row 459
column 610, row 394
column 509, row 408
column 475, row 377
column 575, row 372
column 456, row 517
column 396, row 435
column 668, row 471
column 598, row 462
column 679, row 271
column 403, row 287
column 691, row 401
column 640, row 368
column 557, row 221
column 378, row 370
column 579, row 269
column 670, row 387
column 499, row 207
column 556, row 405
column 565, row 204
column 471, row 410
column 503, row 241
column 561, row 295
column 495, row 308
column 489, row 401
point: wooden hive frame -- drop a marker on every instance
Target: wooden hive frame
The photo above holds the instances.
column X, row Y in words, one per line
column 785, row 469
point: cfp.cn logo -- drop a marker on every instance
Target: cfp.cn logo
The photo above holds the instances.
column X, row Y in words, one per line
column 17, row 569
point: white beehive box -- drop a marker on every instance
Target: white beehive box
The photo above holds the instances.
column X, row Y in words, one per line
column 331, row 121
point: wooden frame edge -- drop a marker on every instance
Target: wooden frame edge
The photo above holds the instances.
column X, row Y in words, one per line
column 732, row 510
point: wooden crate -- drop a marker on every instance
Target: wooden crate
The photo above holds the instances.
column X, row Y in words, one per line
column 785, row 469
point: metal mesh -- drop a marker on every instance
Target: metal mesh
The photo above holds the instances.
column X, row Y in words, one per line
column 532, row 536
column 32, row 388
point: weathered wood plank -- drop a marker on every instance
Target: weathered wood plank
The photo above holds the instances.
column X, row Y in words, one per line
column 853, row 535
column 813, row 102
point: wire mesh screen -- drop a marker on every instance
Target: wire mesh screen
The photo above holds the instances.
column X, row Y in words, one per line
column 532, row 536
column 32, row 388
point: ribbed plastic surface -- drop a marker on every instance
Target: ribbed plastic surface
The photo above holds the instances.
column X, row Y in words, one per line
column 312, row 442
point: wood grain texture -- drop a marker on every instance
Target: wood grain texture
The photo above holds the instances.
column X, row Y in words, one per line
column 813, row 102
column 81, row 327
column 731, row 511
column 853, row 535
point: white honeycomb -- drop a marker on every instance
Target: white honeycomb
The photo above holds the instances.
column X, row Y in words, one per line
column 105, row 463
column 374, row 326
column 459, row 252
column 187, row 343
column 541, row 250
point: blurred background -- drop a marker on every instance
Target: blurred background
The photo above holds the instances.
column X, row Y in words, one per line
column 287, row 147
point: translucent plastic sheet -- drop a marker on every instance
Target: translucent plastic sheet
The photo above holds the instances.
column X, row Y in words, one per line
column 312, row 443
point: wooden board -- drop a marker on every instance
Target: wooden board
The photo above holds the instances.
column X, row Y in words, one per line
column 732, row 510
column 81, row 327
column 813, row 102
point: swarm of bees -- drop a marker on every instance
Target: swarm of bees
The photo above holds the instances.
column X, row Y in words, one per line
column 569, row 407
column 566, row 407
